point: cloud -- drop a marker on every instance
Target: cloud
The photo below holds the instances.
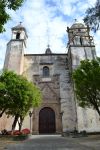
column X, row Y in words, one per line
column 46, row 22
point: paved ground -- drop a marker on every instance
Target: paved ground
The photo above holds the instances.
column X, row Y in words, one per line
column 4, row 142
column 56, row 142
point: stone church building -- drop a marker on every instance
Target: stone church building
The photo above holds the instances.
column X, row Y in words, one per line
column 51, row 72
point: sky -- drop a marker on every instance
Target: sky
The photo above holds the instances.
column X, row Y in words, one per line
column 46, row 22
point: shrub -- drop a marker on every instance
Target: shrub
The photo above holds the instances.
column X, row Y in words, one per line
column 25, row 131
column 17, row 132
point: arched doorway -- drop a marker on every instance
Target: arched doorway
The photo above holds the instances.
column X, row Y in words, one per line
column 47, row 120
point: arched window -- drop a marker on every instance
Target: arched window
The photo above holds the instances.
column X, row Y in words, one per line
column 18, row 35
column 45, row 71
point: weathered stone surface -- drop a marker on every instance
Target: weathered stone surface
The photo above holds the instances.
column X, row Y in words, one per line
column 57, row 88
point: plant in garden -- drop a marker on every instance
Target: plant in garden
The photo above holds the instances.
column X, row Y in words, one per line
column 17, row 96
column 87, row 84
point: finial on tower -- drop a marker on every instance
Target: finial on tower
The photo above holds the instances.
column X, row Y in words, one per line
column 20, row 23
column 75, row 20
column 48, row 46
column 48, row 50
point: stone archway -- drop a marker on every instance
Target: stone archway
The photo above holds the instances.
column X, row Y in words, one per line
column 47, row 121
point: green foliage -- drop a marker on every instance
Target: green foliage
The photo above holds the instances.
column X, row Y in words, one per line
column 2, row 92
column 4, row 16
column 13, row 4
column 18, row 95
column 87, row 84
column 92, row 17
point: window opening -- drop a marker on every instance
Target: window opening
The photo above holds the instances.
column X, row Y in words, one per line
column 45, row 71
column 18, row 36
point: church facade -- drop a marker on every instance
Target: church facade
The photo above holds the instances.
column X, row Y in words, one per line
column 51, row 72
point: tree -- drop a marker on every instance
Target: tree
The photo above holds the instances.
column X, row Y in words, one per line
column 92, row 17
column 2, row 98
column 17, row 96
column 87, row 84
column 4, row 5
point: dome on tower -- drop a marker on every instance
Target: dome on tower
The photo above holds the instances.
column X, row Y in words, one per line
column 48, row 50
column 19, row 27
column 78, row 25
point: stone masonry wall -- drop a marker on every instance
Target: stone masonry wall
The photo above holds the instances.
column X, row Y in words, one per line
column 33, row 67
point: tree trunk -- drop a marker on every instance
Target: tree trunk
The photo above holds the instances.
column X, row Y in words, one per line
column 2, row 112
column 97, row 109
column 20, row 123
column 95, row 105
column 14, row 122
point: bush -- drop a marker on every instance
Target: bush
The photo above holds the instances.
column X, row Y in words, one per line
column 4, row 132
column 25, row 131
column 17, row 132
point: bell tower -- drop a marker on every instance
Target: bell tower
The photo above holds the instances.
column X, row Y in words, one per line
column 80, row 45
column 15, row 49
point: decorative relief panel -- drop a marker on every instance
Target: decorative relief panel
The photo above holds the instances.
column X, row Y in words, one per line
column 50, row 87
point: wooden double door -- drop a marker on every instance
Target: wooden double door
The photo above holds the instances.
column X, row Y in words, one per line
column 47, row 121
